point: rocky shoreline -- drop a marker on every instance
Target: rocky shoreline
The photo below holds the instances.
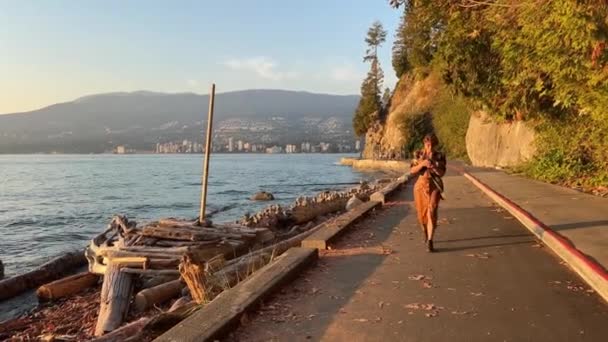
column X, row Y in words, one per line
column 283, row 224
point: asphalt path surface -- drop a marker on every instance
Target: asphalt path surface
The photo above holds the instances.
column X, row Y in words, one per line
column 489, row 280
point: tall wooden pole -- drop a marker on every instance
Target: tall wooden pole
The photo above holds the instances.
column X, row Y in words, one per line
column 201, row 215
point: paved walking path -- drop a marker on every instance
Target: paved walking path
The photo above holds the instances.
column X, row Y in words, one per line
column 488, row 281
column 580, row 217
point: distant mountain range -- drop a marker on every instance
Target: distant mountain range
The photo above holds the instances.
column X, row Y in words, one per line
column 140, row 119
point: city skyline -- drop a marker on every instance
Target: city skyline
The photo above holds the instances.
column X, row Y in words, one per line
column 241, row 146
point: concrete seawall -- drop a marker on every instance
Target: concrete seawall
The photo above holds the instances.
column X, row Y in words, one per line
column 397, row 166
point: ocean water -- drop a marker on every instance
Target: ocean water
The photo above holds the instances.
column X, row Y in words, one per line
column 53, row 203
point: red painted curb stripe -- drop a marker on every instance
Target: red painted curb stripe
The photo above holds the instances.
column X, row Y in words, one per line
column 563, row 241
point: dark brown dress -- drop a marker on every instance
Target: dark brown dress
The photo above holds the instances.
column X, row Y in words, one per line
column 428, row 187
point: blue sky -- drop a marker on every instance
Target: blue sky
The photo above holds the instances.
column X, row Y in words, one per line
column 56, row 51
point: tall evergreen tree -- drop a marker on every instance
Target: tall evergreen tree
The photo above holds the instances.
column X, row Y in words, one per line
column 386, row 98
column 400, row 61
column 370, row 101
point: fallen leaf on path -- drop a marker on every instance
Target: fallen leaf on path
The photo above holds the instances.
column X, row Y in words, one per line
column 431, row 314
column 427, row 284
column 377, row 319
column 380, row 304
column 416, row 277
column 575, row 288
column 537, row 245
column 477, row 294
column 479, row 256
column 460, row 312
column 362, row 320
column 314, row 290
column 427, row 307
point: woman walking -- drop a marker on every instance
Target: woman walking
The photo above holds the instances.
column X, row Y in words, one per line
column 430, row 166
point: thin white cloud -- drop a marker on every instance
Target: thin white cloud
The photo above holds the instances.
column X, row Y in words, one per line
column 344, row 73
column 192, row 83
column 262, row 66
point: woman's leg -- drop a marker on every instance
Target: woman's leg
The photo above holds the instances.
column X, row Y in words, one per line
column 421, row 202
column 432, row 218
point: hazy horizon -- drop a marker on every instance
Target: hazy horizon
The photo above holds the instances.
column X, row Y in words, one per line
column 58, row 52
column 175, row 93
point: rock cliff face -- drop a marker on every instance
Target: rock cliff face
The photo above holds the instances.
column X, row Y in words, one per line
column 385, row 140
column 494, row 144
column 488, row 143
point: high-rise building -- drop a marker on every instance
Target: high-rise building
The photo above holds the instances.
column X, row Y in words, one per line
column 358, row 145
column 240, row 145
column 290, row 148
column 230, row 144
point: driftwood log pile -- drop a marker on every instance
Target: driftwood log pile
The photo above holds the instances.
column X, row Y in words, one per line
column 144, row 266
column 305, row 209
column 124, row 254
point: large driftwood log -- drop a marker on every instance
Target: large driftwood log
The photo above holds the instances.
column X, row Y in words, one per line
column 1, row 270
column 194, row 244
column 147, row 298
column 66, row 286
column 49, row 271
column 174, row 233
column 150, row 272
column 115, row 298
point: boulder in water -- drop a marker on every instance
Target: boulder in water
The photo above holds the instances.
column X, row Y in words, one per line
column 353, row 202
column 1, row 270
column 262, row 196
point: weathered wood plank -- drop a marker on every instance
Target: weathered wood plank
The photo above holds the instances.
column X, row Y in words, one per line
column 217, row 317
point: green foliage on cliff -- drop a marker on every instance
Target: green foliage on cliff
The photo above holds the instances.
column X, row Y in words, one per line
column 451, row 114
column 414, row 127
column 543, row 60
column 370, row 104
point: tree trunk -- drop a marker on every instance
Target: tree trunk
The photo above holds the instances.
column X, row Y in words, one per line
column 115, row 298
column 66, row 286
column 49, row 271
column 147, row 298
